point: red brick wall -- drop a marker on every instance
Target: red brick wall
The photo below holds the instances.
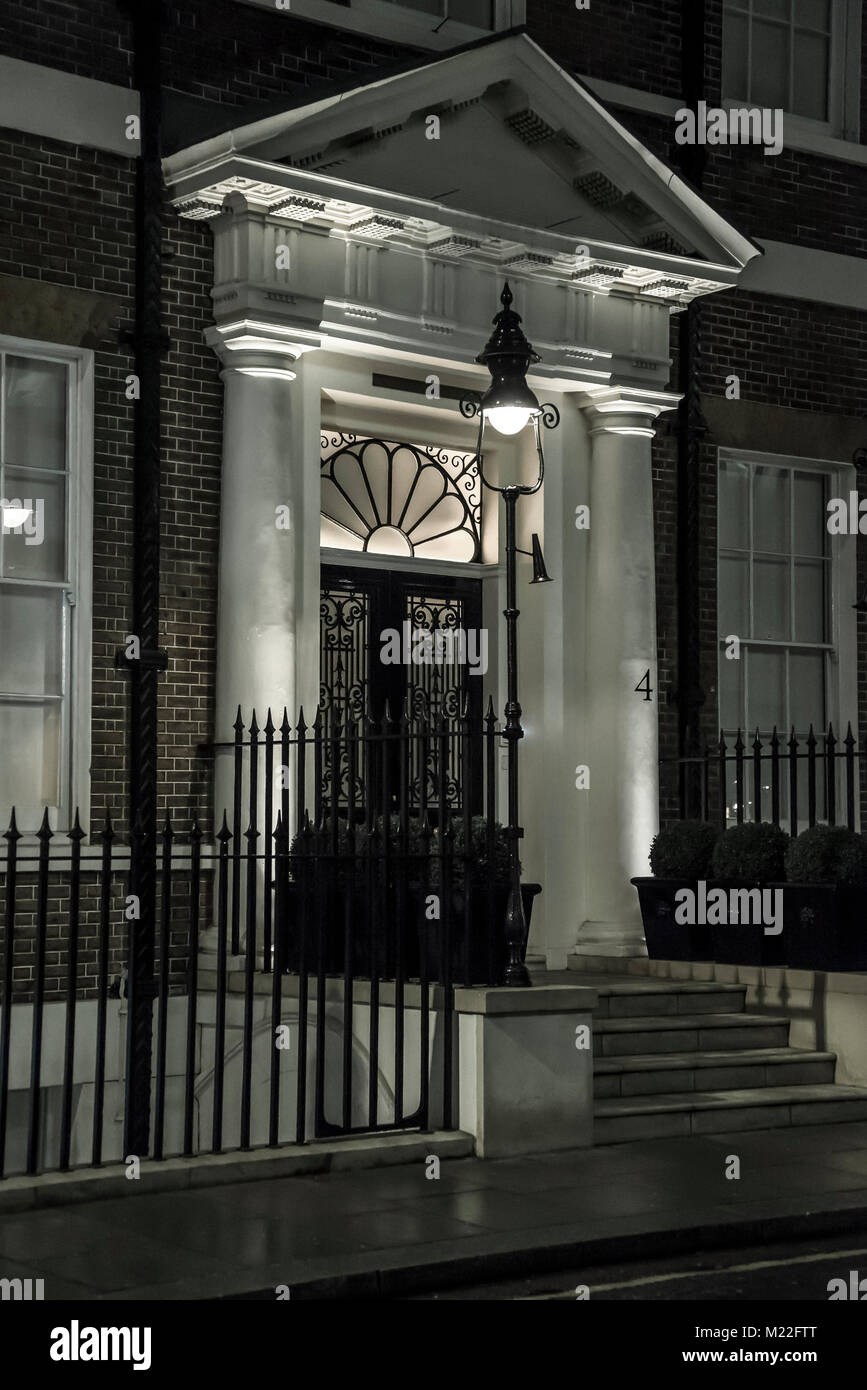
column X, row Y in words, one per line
column 635, row 42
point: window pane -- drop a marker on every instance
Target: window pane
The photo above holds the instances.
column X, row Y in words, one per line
column 810, row 95
column 766, row 690
column 733, row 506
column 810, row 601
column 771, row 510
column 769, row 70
column 775, row 9
column 807, row 693
column 735, row 81
column 731, row 700
column 35, row 413
column 732, row 611
column 810, row 515
column 813, row 12
column 771, row 600
column 30, row 642
column 476, row 12
column 39, row 550
column 30, row 767
column 429, row 6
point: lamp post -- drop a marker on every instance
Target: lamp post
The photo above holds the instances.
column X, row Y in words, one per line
column 509, row 406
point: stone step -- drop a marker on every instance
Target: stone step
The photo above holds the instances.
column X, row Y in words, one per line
column 710, row 1071
column 620, row 1037
column 651, row 998
column 719, row 1112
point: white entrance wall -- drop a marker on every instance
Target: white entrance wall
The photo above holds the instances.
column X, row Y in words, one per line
column 585, row 640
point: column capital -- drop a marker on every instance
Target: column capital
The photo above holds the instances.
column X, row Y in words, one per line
column 626, row 410
column 259, row 349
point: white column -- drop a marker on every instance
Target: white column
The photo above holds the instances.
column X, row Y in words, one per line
column 261, row 559
column 622, row 748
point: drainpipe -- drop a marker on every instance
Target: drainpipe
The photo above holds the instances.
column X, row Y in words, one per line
column 144, row 663
column 690, row 429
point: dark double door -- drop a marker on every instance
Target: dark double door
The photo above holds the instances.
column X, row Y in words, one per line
column 364, row 670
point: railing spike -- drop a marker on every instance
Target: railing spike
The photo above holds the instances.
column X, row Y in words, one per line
column 13, row 833
column 76, row 833
column 269, row 723
column 44, row 832
column 224, row 833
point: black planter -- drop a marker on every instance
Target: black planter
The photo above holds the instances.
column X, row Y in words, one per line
column 825, row 926
column 483, row 959
column 743, row 943
column 667, row 939
column 322, row 924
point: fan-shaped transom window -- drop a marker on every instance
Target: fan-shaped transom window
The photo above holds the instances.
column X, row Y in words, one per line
column 387, row 498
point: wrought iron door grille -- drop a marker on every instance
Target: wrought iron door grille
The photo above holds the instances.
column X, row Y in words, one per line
column 357, row 685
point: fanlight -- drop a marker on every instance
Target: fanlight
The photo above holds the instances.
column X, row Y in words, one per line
column 399, row 499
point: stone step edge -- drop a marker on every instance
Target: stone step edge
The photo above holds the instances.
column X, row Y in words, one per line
column 20, row 1193
column 665, row 1103
column 638, row 985
column 685, row 1061
column 646, row 1023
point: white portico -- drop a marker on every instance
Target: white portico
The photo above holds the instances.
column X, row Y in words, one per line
column 361, row 243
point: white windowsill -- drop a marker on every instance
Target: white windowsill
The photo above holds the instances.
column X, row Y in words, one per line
column 397, row 23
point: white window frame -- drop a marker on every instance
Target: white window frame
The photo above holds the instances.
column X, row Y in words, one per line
column 78, row 586
column 841, row 694
column 400, row 23
column 844, row 75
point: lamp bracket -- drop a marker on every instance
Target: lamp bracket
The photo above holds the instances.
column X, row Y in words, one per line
column 471, row 405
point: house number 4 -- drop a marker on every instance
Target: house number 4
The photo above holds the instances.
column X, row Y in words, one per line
column 643, row 686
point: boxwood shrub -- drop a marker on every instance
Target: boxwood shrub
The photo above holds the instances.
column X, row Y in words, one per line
column 751, row 853
column 683, row 850
column 827, row 854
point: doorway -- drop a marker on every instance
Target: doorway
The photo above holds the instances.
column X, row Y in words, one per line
column 407, row 643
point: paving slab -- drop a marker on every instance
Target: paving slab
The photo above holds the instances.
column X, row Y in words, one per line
column 389, row 1232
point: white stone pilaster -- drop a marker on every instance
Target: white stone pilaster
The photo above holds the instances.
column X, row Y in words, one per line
column 622, row 726
column 262, row 548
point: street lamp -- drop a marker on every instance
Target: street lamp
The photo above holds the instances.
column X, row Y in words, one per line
column 509, row 406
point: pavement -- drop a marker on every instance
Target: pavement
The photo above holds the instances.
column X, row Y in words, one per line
column 394, row 1232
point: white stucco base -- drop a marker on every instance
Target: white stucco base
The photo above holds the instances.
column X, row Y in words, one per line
column 526, row 1077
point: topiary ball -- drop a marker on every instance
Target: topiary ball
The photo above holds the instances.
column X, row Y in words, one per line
column 683, row 850
column 752, row 853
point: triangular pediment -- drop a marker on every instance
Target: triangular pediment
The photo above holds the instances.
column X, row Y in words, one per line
column 522, row 145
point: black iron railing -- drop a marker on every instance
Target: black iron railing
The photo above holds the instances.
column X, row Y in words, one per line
column 795, row 782
column 335, row 929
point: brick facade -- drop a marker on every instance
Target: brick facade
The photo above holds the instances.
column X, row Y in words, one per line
column 796, row 354
column 69, row 222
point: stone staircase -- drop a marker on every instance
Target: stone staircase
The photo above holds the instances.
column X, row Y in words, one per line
column 674, row 1058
